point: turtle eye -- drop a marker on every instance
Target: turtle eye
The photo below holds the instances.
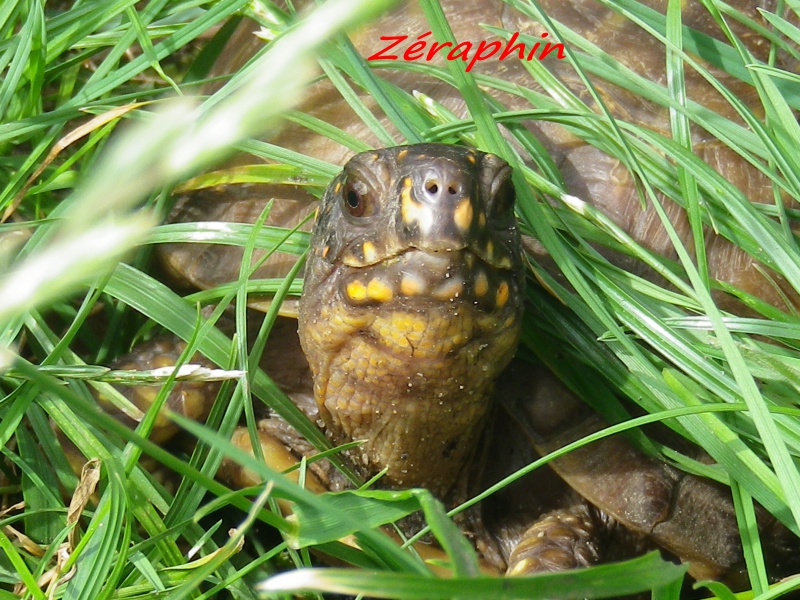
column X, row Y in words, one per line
column 356, row 198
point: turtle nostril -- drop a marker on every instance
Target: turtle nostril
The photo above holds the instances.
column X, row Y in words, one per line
column 453, row 189
column 431, row 186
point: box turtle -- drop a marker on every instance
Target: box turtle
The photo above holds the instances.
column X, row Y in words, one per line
column 413, row 301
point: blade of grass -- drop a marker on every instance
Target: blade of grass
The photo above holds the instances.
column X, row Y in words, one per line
column 682, row 135
column 597, row 582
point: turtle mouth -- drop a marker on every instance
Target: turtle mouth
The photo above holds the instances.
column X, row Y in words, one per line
column 430, row 276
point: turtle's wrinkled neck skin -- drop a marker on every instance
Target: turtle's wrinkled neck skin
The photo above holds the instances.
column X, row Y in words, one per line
column 412, row 307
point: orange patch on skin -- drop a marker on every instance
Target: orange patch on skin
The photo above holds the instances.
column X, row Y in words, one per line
column 462, row 216
column 412, row 211
column 405, row 194
column 379, row 291
column 503, row 293
column 356, row 291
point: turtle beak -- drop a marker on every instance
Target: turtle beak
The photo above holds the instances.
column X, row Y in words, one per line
column 437, row 206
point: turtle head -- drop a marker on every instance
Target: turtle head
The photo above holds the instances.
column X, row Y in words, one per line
column 412, row 306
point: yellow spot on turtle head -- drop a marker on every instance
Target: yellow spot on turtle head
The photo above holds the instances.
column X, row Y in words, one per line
column 370, row 252
column 408, row 207
column 402, row 154
column 337, row 187
column 411, row 285
column 471, row 158
column 462, row 216
column 481, row 284
column 379, row 291
column 502, row 294
column 412, row 211
column 325, row 251
column 356, row 291
column 489, row 249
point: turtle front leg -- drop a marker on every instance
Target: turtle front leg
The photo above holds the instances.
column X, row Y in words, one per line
column 563, row 539
column 281, row 446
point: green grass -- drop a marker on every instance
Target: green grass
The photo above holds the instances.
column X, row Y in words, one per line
column 93, row 142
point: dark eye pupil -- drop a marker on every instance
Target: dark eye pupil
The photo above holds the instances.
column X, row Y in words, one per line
column 353, row 199
column 356, row 198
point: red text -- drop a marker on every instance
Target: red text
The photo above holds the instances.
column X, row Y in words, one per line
column 423, row 49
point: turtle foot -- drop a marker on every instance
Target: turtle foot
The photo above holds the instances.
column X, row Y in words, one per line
column 563, row 539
